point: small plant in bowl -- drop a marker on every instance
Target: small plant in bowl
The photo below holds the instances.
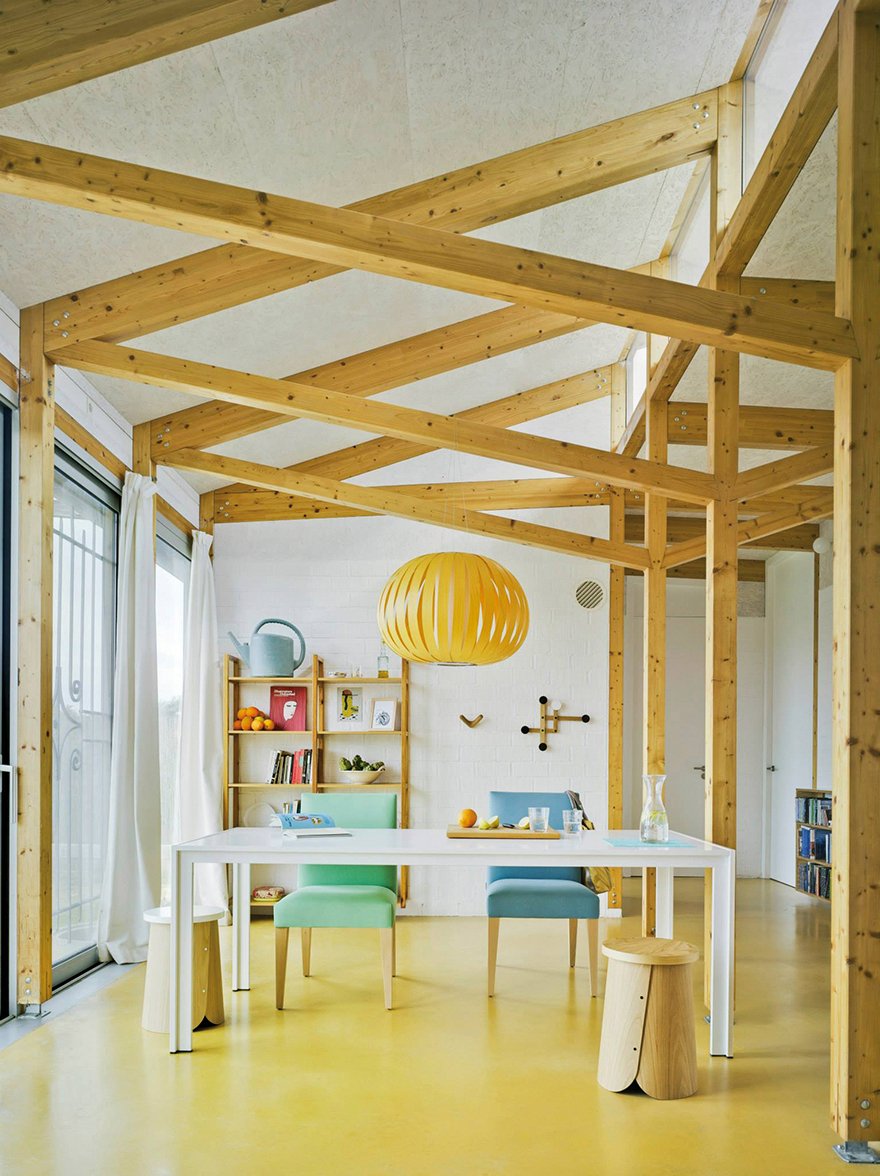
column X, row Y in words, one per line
column 358, row 771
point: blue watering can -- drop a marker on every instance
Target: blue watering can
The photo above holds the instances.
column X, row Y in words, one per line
column 270, row 655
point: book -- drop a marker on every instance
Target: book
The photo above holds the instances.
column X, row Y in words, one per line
column 316, row 832
column 288, row 707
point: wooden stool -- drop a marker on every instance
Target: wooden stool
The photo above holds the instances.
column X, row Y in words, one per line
column 207, row 978
column 648, row 1022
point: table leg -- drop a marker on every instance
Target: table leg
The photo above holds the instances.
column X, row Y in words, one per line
column 180, row 979
column 241, row 926
column 664, row 900
column 721, row 979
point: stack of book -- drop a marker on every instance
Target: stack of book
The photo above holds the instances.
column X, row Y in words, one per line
column 815, row 810
column 815, row 844
column 813, row 879
column 291, row 767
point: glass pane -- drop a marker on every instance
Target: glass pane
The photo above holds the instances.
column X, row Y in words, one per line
column 172, row 586
column 85, row 621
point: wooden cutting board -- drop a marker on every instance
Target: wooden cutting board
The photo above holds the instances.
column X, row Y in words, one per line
column 502, row 834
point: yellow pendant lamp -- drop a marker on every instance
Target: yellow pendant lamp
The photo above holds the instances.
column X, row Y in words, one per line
column 453, row 608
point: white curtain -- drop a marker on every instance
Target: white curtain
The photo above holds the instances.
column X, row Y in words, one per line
column 199, row 789
column 132, row 873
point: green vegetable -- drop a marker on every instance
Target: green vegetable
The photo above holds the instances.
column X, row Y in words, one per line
column 345, row 764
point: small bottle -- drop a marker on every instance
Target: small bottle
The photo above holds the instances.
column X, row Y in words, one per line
column 382, row 662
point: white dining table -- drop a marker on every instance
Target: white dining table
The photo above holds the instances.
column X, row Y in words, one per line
column 243, row 848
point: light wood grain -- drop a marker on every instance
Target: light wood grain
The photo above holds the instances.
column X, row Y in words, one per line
column 627, row 991
column 668, row 1061
column 35, row 710
column 426, row 255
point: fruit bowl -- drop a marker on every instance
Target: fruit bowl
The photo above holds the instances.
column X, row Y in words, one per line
column 361, row 777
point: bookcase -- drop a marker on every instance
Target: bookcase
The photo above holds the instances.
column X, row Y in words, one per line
column 813, row 842
column 249, row 756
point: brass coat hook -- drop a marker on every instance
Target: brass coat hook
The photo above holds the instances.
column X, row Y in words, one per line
column 471, row 722
column 548, row 724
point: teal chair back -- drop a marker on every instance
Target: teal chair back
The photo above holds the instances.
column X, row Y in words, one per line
column 511, row 807
column 378, row 811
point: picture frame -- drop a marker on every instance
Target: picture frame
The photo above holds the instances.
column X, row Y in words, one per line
column 288, row 707
column 349, row 707
column 384, row 714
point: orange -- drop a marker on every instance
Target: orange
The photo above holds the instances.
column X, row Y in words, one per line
column 236, row 726
column 252, row 711
column 240, row 714
column 268, row 725
column 246, row 723
column 467, row 818
column 257, row 724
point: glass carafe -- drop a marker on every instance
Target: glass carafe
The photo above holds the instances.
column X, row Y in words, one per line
column 654, row 824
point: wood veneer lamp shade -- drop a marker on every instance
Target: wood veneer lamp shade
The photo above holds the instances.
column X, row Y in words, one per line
column 453, row 608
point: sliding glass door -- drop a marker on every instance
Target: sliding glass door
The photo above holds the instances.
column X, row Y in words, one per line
column 6, row 778
column 85, row 537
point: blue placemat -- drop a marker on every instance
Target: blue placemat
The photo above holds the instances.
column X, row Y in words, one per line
column 635, row 843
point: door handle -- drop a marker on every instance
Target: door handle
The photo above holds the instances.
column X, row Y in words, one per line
column 701, row 768
column 771, row 767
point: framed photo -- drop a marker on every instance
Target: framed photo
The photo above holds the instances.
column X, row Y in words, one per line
column 384, row 715
column 349, row 706
column 288, row 707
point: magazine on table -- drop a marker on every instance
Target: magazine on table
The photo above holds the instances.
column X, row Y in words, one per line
column 308, row 825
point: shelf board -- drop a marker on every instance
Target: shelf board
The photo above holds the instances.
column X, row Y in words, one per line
column 807, row 825
column 815, row 862
column 266, row 902
column 279, row 681
column 377, row 681
column 357, row 787
column 266, row 734
column 252, row 784
column 359, row 732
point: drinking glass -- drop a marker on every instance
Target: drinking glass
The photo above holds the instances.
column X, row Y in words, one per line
column 539, row 819
column 571, row 822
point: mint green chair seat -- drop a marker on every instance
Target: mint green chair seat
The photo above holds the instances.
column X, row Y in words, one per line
column 342, row 896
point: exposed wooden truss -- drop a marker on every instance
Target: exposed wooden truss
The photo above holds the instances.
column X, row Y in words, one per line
column 57, row 43
column 406, row 423
column 470, row 198
column 428, row 255
column 383, row 500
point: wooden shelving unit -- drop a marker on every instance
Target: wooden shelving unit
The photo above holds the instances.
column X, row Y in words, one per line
column 812, row 872
column 238, row 692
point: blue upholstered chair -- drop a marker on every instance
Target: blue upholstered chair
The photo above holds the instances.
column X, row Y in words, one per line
column 539, row 893
column 342, row 896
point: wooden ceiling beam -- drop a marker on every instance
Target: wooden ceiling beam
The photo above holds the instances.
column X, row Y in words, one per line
column 53, row 44
column 684, row 530
column 749, row 571
column 440, row 431
column 391, row 366
column 470, row 198
column 776, row 475
column 382, row 500
column 803, row 121
column 759, row 427
column 750, row 532
column 425, row 255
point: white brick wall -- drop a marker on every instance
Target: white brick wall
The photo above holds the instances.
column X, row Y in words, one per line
column 326, row 577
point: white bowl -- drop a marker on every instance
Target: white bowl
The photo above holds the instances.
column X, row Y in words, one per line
column 361, row 777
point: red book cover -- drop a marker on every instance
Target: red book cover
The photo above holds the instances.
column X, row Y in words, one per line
column 298, row 766
column 288, row 707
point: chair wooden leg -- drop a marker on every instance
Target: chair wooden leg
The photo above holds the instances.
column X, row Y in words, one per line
column 306, row 941
column 572, row 941
column 493, row 952
column 281, row 935
column 394, row 948
column 386, row 946
column 593, row 944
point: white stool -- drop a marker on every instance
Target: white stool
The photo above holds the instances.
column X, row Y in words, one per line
column 207, row 998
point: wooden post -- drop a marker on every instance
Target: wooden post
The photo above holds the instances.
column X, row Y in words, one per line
column 855, row 905
column 34, row 835
column 616, row 613
column 654, row 750
column 206, row 512
column 721, row 522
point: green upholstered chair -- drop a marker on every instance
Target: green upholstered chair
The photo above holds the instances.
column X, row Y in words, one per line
column 342, row 896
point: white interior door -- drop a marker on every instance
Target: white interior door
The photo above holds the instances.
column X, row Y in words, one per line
column 790, row 695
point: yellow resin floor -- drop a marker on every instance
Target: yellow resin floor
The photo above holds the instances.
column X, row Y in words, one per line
column 449, row 1082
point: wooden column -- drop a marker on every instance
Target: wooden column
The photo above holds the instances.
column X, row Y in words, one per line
column 721, row 519
column 654, row 744
column 206, row 513
column 616, row 614
column 855, row 906
column 34, row 833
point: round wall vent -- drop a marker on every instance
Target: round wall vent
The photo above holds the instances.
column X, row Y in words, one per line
column 590, row 594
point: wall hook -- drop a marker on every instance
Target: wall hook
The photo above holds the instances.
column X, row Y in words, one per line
column 471, row 722
column 548, row 724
